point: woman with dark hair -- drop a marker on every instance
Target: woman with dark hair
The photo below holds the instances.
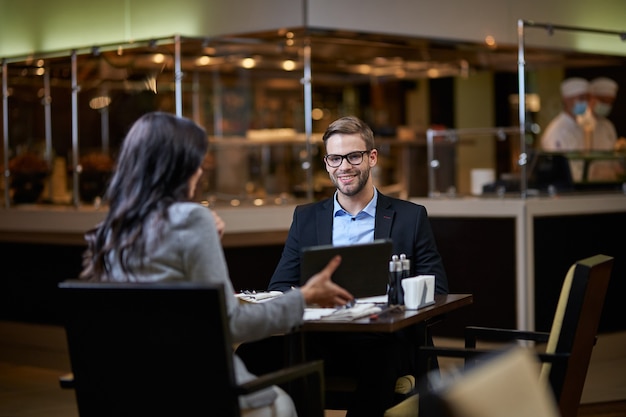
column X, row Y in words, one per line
column 153, row 232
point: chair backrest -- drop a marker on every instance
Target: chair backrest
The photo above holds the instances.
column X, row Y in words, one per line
column 502, row 384
column 149, row 349
column 574, row 329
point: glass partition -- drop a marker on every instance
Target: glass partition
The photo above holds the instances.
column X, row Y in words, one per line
column 70, row 110
column 451, row 178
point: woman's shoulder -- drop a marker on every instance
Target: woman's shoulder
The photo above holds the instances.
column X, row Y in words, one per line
column 188, row 212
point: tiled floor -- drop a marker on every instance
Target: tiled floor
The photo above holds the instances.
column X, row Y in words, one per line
column 32, row 357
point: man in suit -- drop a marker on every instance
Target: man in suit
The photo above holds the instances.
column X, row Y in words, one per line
column 359, row 213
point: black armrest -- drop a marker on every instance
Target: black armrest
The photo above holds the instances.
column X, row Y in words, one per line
column 493, row 334
column 312, row 392
column 279, row 377
column 474, row 333
column 308, row 394
column 283, row 376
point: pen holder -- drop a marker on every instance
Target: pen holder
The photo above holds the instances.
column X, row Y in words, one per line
column 399, row 290
column 392, row 290
column 395, row 293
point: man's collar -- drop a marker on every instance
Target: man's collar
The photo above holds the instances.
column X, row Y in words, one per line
column 370, row 208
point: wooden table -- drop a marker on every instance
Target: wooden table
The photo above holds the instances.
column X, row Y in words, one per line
column 416, row 322
column 392, row 321
column 385, row 322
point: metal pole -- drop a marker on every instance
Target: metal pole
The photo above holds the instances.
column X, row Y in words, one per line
column 218, row 113
column 551, row 28
column 178, row 76
column 308, row 123
column 104, row 128
column 525, row 307
column 432, row 164
column 5, row 133
column 75, row 165
column 308, row 103
column 195, row 98
column 47, row 100
column 521, row 63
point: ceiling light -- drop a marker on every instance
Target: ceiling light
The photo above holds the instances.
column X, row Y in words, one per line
column 289, row 65
column 203, row 60
column 248, row 63
column 99, row 102
column 364, row 69
column 317, row 114
column 433, row 72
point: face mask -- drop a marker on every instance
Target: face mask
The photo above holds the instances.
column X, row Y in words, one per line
column 579, row 107
column 602, row 109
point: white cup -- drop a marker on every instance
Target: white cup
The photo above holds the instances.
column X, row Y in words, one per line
column 419, row 291
column 480, row 177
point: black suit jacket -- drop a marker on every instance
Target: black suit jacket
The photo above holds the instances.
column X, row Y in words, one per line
column 404, row 222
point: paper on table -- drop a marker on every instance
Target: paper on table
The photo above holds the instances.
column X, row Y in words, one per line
column 258, row 297
column 342, row 314
column 315, row 313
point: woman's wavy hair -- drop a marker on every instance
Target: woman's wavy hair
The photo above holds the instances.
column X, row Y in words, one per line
column 158, row 157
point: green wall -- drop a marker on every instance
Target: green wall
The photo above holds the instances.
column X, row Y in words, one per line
column 28, row 26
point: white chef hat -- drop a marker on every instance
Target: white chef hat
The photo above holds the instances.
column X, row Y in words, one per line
column 574, row 86
column 603, row 86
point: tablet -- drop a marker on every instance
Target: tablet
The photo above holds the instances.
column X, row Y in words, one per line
column 364, row 268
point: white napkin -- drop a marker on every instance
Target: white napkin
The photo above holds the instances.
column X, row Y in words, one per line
column 258, row 297
column 358, row 311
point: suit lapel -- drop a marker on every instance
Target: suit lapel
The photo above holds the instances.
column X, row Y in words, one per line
column 324, row 222
column 384, row 218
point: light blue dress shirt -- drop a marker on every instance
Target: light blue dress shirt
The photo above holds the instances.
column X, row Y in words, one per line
column 349, row 229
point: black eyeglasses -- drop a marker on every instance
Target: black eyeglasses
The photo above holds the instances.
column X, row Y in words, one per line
column 354, row 158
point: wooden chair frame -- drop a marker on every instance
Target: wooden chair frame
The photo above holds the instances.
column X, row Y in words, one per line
column 572, row 338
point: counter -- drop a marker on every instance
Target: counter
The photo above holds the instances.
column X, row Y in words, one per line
column 67, row 224
column 516, row 250
column 533, row 218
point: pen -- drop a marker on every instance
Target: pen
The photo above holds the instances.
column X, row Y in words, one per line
column 398, row 275
column 375, row 316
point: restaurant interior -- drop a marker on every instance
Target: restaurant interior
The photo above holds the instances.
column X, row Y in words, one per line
column 441, row 103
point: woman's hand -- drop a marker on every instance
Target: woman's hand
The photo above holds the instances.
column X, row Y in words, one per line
column 321, row 290
column 219, row 224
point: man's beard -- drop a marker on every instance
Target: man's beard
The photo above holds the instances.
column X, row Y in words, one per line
column 362, row 178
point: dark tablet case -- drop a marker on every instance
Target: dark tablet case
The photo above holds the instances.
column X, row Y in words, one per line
column 364, row 268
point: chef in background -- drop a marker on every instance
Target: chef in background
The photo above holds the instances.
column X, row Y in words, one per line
column 600, row 133
column 564, row 133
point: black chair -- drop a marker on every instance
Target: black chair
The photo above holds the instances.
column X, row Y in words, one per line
column 163, row 350
column 565, row 351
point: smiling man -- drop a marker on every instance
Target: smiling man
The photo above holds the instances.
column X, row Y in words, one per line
column 359, row 213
